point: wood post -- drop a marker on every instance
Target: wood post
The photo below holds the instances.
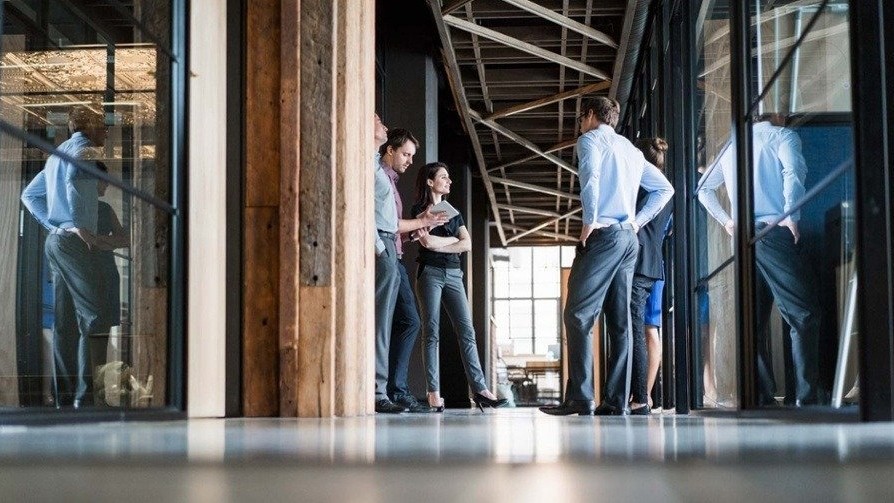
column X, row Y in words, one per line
column 354, row 262
column 260, row 248
column 325, row 263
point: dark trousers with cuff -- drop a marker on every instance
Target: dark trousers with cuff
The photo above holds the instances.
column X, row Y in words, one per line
column 601, row 280
column 404, row 332
column 78, row 286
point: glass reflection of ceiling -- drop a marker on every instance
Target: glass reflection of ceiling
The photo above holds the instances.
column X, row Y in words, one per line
column 35, row 79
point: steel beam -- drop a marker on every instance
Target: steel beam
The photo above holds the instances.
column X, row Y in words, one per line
column 462, row 105
column 549, row 100
column 524, row 142
column 544, row 224
column 523, row 46
column 534, row 188
column 564, row 22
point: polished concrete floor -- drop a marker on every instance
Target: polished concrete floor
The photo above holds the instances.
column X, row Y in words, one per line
column 504, row 455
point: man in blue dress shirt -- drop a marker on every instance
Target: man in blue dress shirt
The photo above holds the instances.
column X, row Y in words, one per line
column 784, row 274
column 64, row 199
column 612, row 171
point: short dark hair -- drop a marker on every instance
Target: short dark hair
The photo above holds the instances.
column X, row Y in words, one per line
column 82, row 118
column 396, row 139
column 607, row 110
column 775, row 118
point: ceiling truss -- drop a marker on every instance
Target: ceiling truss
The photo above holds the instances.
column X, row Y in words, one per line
column 525, row 66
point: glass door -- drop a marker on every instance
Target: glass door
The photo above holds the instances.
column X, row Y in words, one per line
column 90, row 104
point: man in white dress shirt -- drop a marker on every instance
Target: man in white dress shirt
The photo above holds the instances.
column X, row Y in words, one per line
column 779, row 173
column 612, row 171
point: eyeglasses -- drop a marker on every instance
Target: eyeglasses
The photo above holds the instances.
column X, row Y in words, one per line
column 581, row 117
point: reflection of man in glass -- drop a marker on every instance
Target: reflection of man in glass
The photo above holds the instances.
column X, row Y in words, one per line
column 779, row 173
column 63, row 198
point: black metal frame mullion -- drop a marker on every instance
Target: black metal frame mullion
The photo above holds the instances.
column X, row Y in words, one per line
column 235, row 191
column 741, row 78
column 872, row 72
column 682, row 73
column 177, row 299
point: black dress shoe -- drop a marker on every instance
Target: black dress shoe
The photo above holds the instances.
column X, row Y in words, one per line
column 568, row 407
column 410, row 403
column 641, row 411
column 605, row 409
column 386, row 406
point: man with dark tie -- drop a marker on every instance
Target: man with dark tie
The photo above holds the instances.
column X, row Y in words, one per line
column 611, row 172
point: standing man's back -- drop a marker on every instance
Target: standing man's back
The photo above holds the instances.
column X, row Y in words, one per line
column 784, row 270
column 611, row 172
column 64, row 199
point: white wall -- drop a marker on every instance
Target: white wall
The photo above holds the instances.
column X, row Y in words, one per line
column 207, row 209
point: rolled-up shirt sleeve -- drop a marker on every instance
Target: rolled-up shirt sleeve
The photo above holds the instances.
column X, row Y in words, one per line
column 659, row 191
column 710, row 182
column 34, row 197
column 794, row 171
column 589, row 171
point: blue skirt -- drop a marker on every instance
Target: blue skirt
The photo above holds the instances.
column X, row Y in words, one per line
column 654, row 304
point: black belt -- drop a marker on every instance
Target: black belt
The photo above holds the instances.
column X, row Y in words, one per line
column 616, row 227
column 390, row 235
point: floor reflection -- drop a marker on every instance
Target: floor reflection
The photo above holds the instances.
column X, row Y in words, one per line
column 502, row 437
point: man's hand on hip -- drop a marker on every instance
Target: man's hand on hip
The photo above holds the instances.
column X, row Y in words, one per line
column 792, row 226
column 585, row 232
column 86, row 236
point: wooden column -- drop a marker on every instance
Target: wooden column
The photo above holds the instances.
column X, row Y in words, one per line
column 261, row 211
column 326, row 273
column 354, row 262
column 290, row 97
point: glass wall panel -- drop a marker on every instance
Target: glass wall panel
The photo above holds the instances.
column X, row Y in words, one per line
column 715, row 215
column 803, row 188
column 817, row 77
column 85, row 321
column 716, row 365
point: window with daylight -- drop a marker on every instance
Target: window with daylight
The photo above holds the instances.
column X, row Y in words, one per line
column 527, row 298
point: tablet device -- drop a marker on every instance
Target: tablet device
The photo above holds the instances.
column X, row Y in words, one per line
column 445, row 207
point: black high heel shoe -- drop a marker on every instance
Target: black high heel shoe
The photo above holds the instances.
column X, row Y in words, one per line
column 482, row 401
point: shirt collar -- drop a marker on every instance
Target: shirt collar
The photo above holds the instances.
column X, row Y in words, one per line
column 80, row 136
column 390, row 172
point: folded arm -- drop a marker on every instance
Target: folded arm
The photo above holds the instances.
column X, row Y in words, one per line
column 461, row 243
